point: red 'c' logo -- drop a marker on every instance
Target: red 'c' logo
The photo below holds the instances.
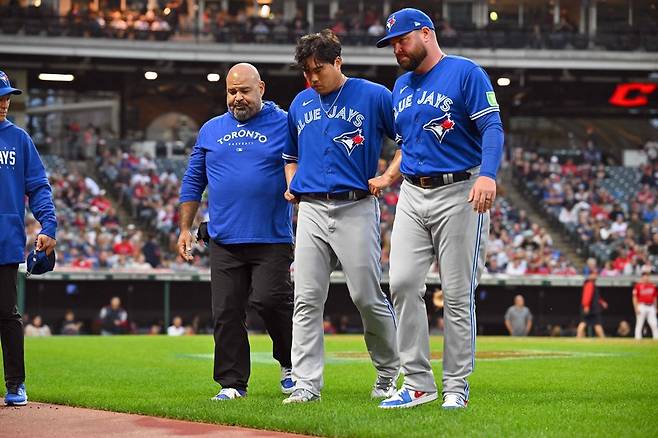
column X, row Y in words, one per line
column 632, row 94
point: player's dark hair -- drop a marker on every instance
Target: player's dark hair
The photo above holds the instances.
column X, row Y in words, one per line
column 324, row 47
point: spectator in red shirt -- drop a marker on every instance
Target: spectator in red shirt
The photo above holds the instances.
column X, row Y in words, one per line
column 124, row 247
column 644, row 303
column 591, row 306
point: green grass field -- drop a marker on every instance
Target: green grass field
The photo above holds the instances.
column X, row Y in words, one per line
column 521, row 387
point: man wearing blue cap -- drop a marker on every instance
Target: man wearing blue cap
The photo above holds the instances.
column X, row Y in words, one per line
column 448, row 127
column 21, row 174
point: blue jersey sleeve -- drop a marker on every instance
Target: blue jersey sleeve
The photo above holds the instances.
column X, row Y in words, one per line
column 386, row 111
column 478, row 94
column 38, row 190
column 290, row 147
column 195, row 179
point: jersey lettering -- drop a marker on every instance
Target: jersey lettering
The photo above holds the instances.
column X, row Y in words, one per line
column 437, row 101
column 243, row 133
column 348, row 114
column 8, row 158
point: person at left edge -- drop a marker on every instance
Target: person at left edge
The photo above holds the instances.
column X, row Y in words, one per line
column 238, row 157
column 21, row 173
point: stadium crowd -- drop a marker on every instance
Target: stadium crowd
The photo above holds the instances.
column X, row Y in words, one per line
column 611, row 211
column 93, row 235
column 175, row 20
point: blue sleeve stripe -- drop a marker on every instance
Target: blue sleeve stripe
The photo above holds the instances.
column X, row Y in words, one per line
column 485, row 111
column 289, row 157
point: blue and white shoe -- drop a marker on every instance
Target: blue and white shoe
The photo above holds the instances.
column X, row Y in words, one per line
column 287, row 384
column 229, row 394
column 406, row 398
column 16, row 396
column 452, row 400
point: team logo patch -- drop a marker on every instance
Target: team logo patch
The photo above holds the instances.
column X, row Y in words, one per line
column 491, row 98
column 440, row 126
column 390, row 22
column 4, row 79
column 350, row 140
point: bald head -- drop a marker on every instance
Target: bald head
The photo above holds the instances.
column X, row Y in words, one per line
column 243, row 71
column 244, row 91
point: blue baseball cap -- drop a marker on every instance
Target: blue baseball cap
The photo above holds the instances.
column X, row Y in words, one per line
column 39, row 263
column 5, row 86
column 404, row 21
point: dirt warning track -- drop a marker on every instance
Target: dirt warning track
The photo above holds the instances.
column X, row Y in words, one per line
column 54, row 421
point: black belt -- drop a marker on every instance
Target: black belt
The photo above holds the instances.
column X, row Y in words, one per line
column 352, row 195
column 434, row 181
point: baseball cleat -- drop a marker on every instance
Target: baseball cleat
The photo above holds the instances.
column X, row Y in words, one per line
column 301, row 396
column 453, row 401
column 16, row 396
column 384, row 387
column 287, row 384
column 407, row 398
column 229, row 394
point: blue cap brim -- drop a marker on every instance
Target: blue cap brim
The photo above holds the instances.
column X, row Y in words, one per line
column 385, row 41
column 39, row 263
column 9, row 90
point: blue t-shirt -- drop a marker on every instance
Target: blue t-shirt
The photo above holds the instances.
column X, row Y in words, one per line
column 241, row 164
column 21, row 173
column 437, row 117
column 338, row 146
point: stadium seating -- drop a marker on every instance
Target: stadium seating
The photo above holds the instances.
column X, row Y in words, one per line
column 609, row 210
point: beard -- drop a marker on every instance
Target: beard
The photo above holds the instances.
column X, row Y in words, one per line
column 411, row 61
column 242, row 113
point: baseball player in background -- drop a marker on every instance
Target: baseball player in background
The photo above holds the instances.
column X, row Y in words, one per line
column 238, row 156
column 448, row 125
column 22, row 175
column 644, row 303
column 336, row 131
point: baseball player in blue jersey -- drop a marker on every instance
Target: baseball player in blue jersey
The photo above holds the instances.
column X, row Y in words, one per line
column 238, row 157
column 336, row 131
column 448, row 125
column 21, row 174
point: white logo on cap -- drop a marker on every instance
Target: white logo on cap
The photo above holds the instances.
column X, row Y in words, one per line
column 416, row 23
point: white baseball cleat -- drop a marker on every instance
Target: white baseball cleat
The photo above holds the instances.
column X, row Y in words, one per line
column 454, row 401
column 384, row 387
column 301, row 395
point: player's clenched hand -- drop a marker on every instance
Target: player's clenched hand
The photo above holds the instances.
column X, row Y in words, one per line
column 185, row 245
column 379, row 183
column 45, row 243
column 290, row 197
column 483, row 194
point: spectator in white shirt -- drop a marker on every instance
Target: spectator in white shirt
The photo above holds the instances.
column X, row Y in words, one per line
column 176, row 328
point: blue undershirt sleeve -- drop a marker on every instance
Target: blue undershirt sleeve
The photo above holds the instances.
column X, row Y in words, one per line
column 491, row 128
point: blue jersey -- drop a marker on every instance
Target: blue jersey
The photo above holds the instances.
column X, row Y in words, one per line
column 440, row 118
column 338, row 146
column 241, row 164
column 21, row 173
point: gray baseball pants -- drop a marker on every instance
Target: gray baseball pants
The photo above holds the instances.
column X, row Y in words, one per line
column 437, row 223
column 347, row 232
